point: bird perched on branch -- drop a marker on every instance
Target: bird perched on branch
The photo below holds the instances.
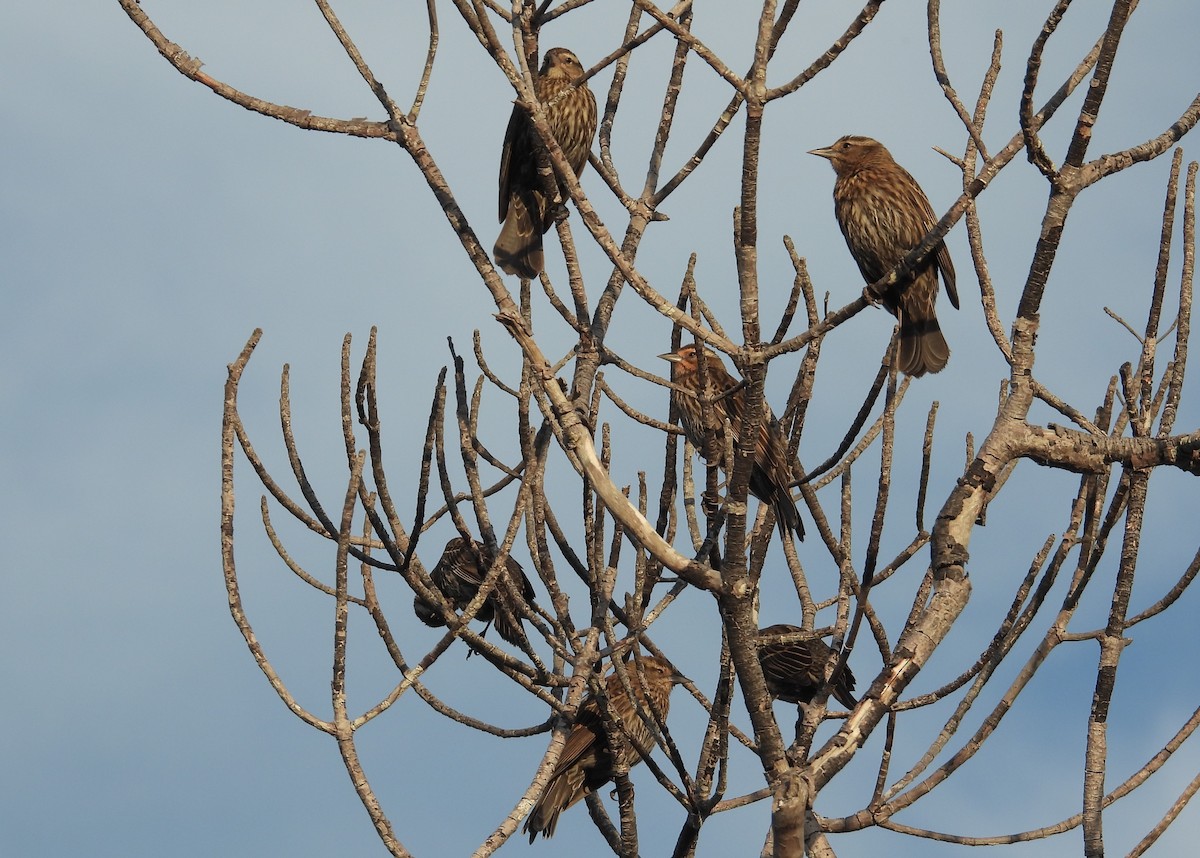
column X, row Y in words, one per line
column 705, row 401
column 793, row 663
column 459, row 573
column 884, row 214
column 586, row 763
column 524, row 208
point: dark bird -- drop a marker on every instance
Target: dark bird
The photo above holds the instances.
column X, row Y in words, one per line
column 524, row 209
column 794, row 667
column 459, row 572
column 586, row 763
column 703, row 410
column 884, row 214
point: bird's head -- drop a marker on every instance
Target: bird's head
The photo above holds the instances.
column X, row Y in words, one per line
column 656, row 670
column 428, row 613
column 686, row 359
column 559, row 62
column 848, row 153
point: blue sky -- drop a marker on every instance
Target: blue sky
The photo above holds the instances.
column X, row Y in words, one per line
column 148, row 227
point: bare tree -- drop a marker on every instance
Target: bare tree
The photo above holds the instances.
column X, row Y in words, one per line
column 609, row 562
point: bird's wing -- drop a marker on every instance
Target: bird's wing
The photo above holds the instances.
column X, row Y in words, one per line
column 518, row 576
column 513, row 137
column 774, row 444
column 941, row 254
column 584, row 736
column 792, row 659
column 461, row 570
column 946, row 265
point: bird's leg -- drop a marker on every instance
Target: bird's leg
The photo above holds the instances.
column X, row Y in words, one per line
column 482, row 634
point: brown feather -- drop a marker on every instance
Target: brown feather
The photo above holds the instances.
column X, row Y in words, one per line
column 883, row 214
column 458, row 575
column 794, row 666
column 703, row 414
column 586, row 762
column 524, row 209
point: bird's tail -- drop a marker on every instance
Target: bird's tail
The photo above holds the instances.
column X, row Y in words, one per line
column 508, row 622
column 787, row 515
column 543, row 819
column 843, row 688
column 921, row 348
column 518, row 250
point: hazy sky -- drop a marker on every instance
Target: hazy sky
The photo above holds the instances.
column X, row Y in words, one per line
column 149, row 226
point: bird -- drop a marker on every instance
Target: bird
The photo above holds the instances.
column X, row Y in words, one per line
column 883, row 214
column 524, row 209
column 705, row 406
column 586, row 762
column 459, row 572
column 794, row 668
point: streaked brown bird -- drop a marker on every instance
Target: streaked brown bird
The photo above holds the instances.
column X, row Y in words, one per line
column 719, row 397
column 586, row 763
column 524, row 209
column 794, row 666
column 884, row 214
column 459, row 572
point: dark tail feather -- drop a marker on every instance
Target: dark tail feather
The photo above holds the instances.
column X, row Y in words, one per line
column 843, row 688
column 512, row 630
column 544, row 824
column 787, row 516
column 543, row 819
column 921, row 347
column 518, row 250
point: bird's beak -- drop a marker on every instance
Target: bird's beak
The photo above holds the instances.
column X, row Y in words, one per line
column 823, row 152
column 672, row 357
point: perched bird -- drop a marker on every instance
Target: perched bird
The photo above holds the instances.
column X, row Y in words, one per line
column 884, row 214
column 720, row 397
column 459, row 572
column 795, row 669
column 586, row 763
column 524, row 209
